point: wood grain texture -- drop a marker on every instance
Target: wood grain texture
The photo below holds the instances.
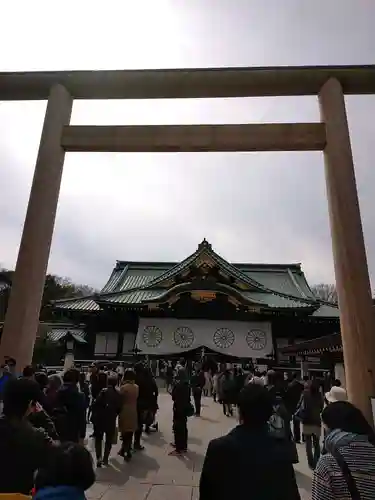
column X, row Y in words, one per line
column 187, row 83
column 195, row 138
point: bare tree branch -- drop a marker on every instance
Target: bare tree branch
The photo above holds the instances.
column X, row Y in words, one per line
column 326, row 292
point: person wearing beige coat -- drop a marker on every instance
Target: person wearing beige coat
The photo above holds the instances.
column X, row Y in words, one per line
column 128, row 418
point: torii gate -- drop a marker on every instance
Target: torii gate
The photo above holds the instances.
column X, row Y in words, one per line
column 331, row 135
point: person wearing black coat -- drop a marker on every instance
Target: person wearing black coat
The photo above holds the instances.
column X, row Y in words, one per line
column 197, row 383
column 70, row 412
column 146, row 402
column 228, row 389
column 96, row 381
column 105, row 411
column 182, row 409
column 248, row 463
column 292, row 398
column 152, row 405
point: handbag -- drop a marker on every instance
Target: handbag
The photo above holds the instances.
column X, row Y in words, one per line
column 350, row 482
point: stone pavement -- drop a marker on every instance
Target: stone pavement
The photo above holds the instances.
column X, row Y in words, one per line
column 153, row 475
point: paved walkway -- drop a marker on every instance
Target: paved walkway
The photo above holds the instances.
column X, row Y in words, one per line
column 154, row 475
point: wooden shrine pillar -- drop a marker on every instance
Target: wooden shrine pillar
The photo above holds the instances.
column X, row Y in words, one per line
column 352, row 279
column 22, row 318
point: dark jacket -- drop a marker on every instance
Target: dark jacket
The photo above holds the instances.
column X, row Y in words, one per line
column 228, row 390
column 247, row 464
column 50, row 400
column 96, row 387
column 310, row 408
column 70, row 413
column 181, row 399
column 197, row 380
column 106, row 409
column 169, row 374
column 23, row 450
column 293, row 395
column 85, row 390
column 148, row 391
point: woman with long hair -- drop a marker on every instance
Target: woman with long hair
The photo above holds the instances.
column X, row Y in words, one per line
column 347, row 470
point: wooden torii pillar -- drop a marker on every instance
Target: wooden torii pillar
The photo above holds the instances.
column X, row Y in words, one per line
column 349, row 254
column 22, row 318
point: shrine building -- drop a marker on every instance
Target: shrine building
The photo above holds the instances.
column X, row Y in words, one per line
column 231, row 311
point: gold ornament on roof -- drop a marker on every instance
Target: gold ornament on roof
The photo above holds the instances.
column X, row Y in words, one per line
column 203, row 295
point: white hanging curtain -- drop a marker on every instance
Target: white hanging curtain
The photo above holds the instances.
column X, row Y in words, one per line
column 234, row 338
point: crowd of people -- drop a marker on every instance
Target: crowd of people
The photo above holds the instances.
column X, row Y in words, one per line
column 45, row 415
column 275, row 413
column 44, row 419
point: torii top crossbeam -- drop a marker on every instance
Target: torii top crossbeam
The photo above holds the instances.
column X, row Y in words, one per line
column 187, row 83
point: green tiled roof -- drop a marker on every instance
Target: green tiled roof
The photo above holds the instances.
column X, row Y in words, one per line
column 129, row 275
column 283, row 278
column 289, row 280
column 114, row 280
column 327, row 311
column 57, row 334
column 134, row 279
column 272, row 285
column 80, row 304
column 205, row 248
column 133, row 297
column 263, row 299
column 278, row 301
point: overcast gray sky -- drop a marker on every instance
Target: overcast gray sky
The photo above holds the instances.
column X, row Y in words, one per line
column 251, row 207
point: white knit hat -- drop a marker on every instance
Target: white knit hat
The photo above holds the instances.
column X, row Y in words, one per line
column 336, row 394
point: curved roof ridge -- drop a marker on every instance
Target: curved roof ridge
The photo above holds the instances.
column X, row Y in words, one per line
column 71, row 299
column 294, row 265
column 115, row 278
column 204, row 246
column 181, row 287
column 268, row 290
column 288, row 296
